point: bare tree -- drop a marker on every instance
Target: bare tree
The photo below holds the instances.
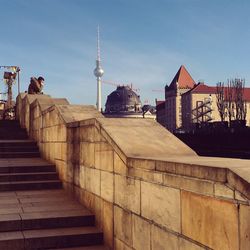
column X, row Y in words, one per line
column 229, row 92
column 220, row 100
column 240, row 104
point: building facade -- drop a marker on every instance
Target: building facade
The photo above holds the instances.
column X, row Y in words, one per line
column 125, row 103
column 187, row 104
column 199, row 105
column 169, row 114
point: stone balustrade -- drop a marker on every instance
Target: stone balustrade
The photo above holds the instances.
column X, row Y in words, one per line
column 147, row 189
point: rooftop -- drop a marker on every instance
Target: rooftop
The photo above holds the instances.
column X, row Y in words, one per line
column 183, row 79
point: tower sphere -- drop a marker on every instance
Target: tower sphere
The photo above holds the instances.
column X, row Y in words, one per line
column 98, row 72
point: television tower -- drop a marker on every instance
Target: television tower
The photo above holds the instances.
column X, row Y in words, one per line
column 98, row 72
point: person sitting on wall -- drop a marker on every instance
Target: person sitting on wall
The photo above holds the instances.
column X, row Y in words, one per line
column 36, row 85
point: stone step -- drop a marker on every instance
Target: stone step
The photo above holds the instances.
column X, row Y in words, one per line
column 11, row 137
column 30, row 185
column 46, row 220
column 37, row 207
column 9, row 122
column 17, row 143
column 14, row 148
column 37, row 193
column 50, row 238
column 12, row 128
column 6, row 133
column 14, row 135
column 28, row 176
column 35, row 212
column 100, row 247
column 27, row 168
column 19, row 154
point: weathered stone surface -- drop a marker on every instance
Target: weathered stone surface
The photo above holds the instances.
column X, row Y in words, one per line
column 87, row 154
column 119, row 245
column 111, row 142
column 104, row 156
column 82, row 177
column 71, row 113
column 143, row 132
column 88, row 199
column 98, row 136
column 140, row 233
column 62, row 169
column 192, row 184
column 124, row 139
column 140, row 163
column 123, row 225
column 98, row 211
column 238, row 196
column 146, row 175
column 244, row 227
column 188, row 245
column 93, row 180
column 223, row 191
column 63, row 151
column 161, row 204
column 163, row 240
column 127, row 193
column 238, row 181
column 75, row 173
column 214, row 222
column 61, row 132
column 107, row 186
column 192, row 166
column 87, row 133
column 107, row 221
column 165, row 166
column 119, row 166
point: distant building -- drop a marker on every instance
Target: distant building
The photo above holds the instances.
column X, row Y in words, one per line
column 187, row 103
column 160, row 112
column 199, row 105
column 124, row 102
column 123, row 99
column 149, row 111
column 169, row 113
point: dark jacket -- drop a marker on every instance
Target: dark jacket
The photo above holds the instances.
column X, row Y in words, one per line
column 35, row 87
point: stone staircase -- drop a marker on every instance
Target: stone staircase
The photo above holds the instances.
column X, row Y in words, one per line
column 35, row 212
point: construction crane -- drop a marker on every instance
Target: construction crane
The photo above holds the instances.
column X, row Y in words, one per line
column 7, row 107
column 121, row 84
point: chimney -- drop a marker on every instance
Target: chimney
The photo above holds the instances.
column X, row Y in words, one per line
column 201, row 82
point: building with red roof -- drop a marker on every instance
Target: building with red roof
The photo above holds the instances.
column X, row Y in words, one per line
column 181, row 83
column 200, row 105
column 182, row 80
column 187, row 103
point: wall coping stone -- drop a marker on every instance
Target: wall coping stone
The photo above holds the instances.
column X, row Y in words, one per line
column 45, row 103
column 174, row 157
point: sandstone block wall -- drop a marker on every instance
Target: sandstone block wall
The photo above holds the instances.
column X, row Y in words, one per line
column 147, row 189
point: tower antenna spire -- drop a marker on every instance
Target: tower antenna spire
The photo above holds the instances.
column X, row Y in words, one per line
column 98, row 45
column 98, row 72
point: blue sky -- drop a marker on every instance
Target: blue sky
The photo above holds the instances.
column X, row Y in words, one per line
column 142, row 42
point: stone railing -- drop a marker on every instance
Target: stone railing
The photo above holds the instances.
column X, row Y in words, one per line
column 147, row 189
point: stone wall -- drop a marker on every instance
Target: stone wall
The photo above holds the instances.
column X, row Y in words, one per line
column 147, row 189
